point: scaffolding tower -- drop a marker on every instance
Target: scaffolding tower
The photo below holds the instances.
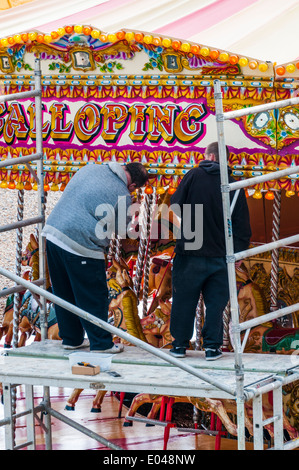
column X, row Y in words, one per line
column 37, row 221
column 36, row 93
column 232, row 257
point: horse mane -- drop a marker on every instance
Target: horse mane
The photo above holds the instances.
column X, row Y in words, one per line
column 260, row 300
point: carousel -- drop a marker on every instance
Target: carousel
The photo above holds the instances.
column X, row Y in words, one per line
column 79, row 96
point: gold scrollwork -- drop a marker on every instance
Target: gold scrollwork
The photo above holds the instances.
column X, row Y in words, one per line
column 172, row 62
column 6, row 64
column 82, row 58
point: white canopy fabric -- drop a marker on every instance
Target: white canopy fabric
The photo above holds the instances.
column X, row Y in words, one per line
column 32, row 15
column 262, row 29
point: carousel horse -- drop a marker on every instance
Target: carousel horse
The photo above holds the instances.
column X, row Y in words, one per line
column 156, row 325
column 6, row 328
column 160, row 280
column 96, row 404
column 123, row 309
column 253, row 302
column 164, row 229
column 30, row 321
column 30, row 257
column 204, row 404
column 123, row 303
column 224, row 409
column 291, row 403
column 29, row 311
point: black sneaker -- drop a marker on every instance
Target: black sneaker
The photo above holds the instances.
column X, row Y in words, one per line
column 178, row 352
column 213, row 354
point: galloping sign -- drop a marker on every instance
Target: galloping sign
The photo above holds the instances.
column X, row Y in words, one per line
column 143, row 123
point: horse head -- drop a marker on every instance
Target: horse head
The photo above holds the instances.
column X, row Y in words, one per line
column 31, row 249
column 156, row 325
column 123, row 302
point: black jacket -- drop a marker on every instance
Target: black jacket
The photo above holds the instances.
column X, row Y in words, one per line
column 202, row 185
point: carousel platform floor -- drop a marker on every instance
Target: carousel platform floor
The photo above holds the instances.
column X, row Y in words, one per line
column 47, row 364
column 107, row 424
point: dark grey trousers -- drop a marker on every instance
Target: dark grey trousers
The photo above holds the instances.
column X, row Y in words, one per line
column 82, row 282
column 192, row 275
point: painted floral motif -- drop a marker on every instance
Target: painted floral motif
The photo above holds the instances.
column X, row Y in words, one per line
column 155, row 58
column 109, row 67
column 17, row 58
column 61, row 67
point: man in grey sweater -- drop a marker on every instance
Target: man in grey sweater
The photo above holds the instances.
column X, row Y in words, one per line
column 94, row 205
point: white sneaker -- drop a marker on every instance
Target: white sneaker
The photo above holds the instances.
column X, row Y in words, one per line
column 116, row 348
column 85, row 344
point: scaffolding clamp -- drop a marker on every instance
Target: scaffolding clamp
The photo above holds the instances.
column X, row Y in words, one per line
column 225, row 188
column 230, row 259
column 219, row 117
column 235, row 329
column 217, row 96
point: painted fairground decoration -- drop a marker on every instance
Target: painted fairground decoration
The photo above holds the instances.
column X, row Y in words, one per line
column 104, row 124
column 135, row 96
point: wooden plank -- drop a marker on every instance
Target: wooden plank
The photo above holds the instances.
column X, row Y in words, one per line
column 136, row 378
column 271, row 363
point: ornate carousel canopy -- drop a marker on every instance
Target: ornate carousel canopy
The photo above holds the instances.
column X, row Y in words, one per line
column 136, row 84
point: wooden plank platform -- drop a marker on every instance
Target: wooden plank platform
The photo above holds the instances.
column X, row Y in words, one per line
column 271, row 363
column 140, row 372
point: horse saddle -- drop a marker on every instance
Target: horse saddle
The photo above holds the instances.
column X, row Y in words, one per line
column 160, row 263
column 275, row 335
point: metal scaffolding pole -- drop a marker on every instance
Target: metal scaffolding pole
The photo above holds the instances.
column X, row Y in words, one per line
column 41, row 195
column 267, row 247
column 15, row 161
column 269, row 176
column 41, row 241
column 231, row 267
column 20, row 96
column 281, row 312
column 260, row 108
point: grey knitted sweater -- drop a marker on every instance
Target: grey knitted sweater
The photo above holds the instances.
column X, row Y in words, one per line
column 94, row 204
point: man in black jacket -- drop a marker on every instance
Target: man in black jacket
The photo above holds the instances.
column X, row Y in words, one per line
column 200, row 262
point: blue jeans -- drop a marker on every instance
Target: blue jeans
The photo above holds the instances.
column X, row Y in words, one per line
column 82, row 282
column 191, row 276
